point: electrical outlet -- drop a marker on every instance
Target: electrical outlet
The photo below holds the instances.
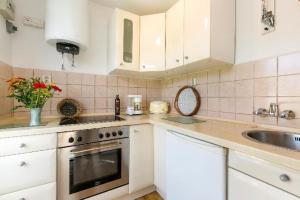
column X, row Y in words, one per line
column 194, row 81
column 46, row 79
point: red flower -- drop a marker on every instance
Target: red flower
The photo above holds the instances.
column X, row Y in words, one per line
column 55, row 88
column 39, row 85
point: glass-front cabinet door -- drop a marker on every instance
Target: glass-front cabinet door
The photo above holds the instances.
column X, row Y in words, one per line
column 129, row 39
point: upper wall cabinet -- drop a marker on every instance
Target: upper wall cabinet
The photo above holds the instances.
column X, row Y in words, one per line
column 124, row 41
column 199, row 31
column 152, row 42
column 174, row 34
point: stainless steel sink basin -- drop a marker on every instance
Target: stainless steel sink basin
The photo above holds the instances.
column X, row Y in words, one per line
column 276, row 138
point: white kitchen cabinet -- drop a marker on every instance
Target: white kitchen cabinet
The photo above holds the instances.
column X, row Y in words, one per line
column 242, row 186
column 19, row 172
column 43, row 192
column 196, row 30
column 194, row 169
column 160, row 160
column 201, row 33
column 141, row 167
column 26, row 144
column 174, row 35
column 152, row 42
column 124, row 41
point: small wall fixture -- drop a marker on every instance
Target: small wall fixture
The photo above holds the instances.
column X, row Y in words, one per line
column 268, row 16
column 68, row 48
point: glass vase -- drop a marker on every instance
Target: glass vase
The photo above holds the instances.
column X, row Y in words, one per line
column 35, row 114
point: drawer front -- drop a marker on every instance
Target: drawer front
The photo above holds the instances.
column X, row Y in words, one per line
column 26, row 144
column 24, row 171
column 279, row 176
column 44, row 192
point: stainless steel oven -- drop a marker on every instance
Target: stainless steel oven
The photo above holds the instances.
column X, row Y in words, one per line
column 91, row 162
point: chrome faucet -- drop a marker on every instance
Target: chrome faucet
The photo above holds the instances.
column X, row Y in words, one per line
column 274, row 112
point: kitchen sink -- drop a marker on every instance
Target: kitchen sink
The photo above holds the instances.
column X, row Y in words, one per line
column 276, row 138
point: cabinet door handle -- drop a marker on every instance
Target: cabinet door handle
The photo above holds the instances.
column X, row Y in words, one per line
column 22, row 164
column 284, row 178
column 186, row 57
column 121, row 64
column 144, row 66
column 22, row 145
column 22, row 199
column 177, row 60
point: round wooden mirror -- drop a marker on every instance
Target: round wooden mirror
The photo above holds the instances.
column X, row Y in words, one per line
column 187, row 101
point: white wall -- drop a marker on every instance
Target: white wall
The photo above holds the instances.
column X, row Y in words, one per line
column 252, row 45
column 29, row 48
column 5, row 43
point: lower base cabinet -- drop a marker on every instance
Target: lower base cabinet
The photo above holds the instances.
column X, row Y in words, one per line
column 244, row 187
column 141, row 157
column 44, row 192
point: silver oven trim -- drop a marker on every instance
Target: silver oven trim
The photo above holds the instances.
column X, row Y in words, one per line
column 64, row 154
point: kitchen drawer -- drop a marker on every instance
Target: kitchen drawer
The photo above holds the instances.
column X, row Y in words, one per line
column 24, row 171
column 26, row 144
column 285, row 178
column 43, row 192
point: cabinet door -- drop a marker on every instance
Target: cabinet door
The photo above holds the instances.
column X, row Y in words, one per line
column 152, row 42
column 196, row 30
column 45, row 192
column 141, row 157
column 128, row 38
column 174, row 35
column 160, row 160
column 245, row 187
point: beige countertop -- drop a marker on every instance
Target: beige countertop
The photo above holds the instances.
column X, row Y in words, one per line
column 220, row 132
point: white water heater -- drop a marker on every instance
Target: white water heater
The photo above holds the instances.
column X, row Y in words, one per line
column 67, row 21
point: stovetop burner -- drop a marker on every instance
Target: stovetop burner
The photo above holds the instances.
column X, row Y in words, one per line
column 90, row 119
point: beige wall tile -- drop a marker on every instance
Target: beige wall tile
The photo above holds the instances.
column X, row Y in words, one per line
column 227, row 74
column 74, row 91
column 227, row 105
column 265, row 68
column 244, row 118
column 59, row 77
column 112, row 92
column 63, row 93
column 290, row 103
column 100, row 91
column 213, row 90
column 244, row 71
column 265, row 87
column 244, row 88
column 110, row 103
column 133, row 82
column 192, row 79
column 289, row 64
column 142, row 83
column 202, row 113
column 204, row 104
column 123, row 82
column 102, row 103
column 123, row 91
column 288, row 85
column 230, row 116
column 202, row 89
column 227, row 89
column 213, row 114
column 289, row 123
column 88, row 91
column 213, row 76
column 213, row 104
column 87, row 103
column 111, row 80
column 180, row 81
column 134, row 91
column 88, row 79
column 39, row 73
column 54, row 103
column 6, row 72
column 202, row 77
column 264, row 102
column 74, row 79
column 244, row 105
column 23, row 72
column 265, row 120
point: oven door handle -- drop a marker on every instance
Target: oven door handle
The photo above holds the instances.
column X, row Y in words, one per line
column 97, row 149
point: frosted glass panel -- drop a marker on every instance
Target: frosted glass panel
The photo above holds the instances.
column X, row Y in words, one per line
column 127, row 41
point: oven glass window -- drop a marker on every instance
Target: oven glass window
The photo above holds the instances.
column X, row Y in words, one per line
column 91, row 170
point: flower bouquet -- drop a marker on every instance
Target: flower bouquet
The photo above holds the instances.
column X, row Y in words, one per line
column 32, row 94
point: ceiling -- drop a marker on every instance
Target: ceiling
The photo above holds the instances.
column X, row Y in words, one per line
column 140, row 7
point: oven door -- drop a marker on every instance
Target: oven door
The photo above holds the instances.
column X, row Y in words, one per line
column 87, row 170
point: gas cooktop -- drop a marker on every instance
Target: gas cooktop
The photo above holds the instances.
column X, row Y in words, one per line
column 90, row 119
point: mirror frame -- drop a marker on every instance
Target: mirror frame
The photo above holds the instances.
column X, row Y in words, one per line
column 198, row 99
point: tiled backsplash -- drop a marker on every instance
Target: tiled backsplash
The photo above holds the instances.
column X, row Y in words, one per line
column 230, row 93
column 6, row 104
column 96, row 93
column 234, row 93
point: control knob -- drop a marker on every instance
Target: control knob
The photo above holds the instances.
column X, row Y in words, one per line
column 120, row 133
column 71, row 140
column 107, row 135
column 114, row 134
